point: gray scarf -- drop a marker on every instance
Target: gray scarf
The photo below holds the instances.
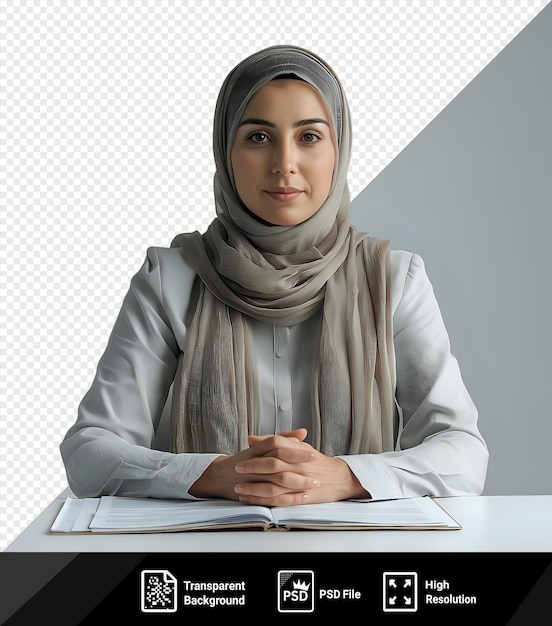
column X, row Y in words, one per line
column 283, row 275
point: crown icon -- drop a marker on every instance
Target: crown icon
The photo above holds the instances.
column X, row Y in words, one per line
column 299, row 584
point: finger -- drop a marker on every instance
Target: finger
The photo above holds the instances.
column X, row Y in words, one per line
column 284, row 499
column 253, row 439
column 262, row 465
column 279, row 484
column 286, row 478
column 286, row 448
column 299, row 434
column 275, row 460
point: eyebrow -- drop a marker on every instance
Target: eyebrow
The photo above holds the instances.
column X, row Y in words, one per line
column 261, row 122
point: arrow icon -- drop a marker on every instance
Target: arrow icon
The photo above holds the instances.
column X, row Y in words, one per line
column 400, row 592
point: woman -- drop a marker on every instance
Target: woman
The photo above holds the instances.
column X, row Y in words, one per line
column 302, row 361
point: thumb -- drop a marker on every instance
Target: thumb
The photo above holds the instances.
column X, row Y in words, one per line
column 299, row 434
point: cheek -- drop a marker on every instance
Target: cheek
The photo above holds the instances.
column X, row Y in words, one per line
column 236, row 162
column 244, row 164
column 324, row 173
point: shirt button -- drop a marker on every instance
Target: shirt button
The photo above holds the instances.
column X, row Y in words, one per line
column 285, row 405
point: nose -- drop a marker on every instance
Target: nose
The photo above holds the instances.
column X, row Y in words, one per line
column 285, row 158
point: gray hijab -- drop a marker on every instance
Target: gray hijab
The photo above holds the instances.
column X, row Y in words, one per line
column 283, row 275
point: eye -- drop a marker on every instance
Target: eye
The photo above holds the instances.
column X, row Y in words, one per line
column 258, row 137
column 311, row 137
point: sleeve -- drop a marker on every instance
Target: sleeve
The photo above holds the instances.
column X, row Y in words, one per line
column 440, row 451
column 108, row 451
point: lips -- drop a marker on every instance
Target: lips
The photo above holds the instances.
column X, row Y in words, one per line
column 284, row 194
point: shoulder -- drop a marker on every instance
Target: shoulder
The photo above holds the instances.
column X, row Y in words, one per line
column 407, row 273
column 168, row 263
column 399, row 261
column 166, row 276
column 403, row 264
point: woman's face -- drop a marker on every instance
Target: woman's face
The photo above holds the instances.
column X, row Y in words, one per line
column 283, row 155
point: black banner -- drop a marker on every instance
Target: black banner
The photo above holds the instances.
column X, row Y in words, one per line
column 411, row 588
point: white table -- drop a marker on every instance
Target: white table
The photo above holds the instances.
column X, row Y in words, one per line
column 489, row 524
column 502, row 557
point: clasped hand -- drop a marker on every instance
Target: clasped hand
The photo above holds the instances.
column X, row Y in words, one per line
column 279, row 470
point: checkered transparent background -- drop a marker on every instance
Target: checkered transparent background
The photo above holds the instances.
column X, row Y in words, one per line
column 106, row 149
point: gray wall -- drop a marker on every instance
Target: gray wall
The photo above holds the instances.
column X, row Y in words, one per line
column 472, row 194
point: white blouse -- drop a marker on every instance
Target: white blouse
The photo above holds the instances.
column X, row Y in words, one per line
column 119, row 442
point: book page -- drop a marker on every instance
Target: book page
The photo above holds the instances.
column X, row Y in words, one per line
column 131, row 514
column 118, row 514
column 420, row 512
column 75, row 515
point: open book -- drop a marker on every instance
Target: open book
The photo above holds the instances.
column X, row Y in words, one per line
column 117, row 514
